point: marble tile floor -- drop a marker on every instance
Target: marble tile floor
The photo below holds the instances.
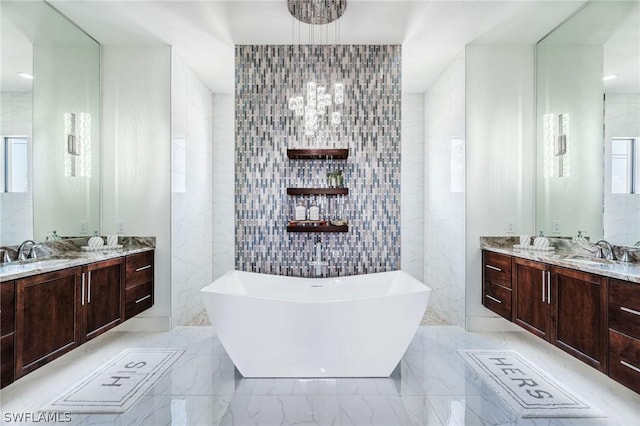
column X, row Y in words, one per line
column 430, row 386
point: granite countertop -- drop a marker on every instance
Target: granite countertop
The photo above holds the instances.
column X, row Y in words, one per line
column 68, row 253
column 568, row 254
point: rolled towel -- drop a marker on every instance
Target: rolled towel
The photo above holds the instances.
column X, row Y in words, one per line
column 95, row 241
column 541, row 243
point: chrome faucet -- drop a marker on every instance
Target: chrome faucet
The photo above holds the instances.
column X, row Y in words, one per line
column 600, row 253
column 21, row 255
column 318, row 263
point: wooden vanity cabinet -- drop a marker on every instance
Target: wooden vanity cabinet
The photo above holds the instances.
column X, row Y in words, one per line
column 7, row 332
column 624, row 333
column 101, row 297
column 45, row 316
column 496, row 283
column 594, row 318
column 565, row 307
column 47, row 308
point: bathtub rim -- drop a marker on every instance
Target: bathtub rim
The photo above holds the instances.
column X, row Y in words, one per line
column 418, row 287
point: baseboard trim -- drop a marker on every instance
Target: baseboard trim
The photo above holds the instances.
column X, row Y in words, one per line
column 145, row 324
column 490, row 324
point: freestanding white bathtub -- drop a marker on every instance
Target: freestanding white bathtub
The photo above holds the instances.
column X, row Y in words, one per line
column 277, row 326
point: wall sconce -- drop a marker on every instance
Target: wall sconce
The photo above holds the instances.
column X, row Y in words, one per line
column 548, row 134
column 562, row 146
column 77, row 143
column 556, row 148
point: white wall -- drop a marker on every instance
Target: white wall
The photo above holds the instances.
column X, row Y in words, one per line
column 136, row 175
column 621, row 211
column 500, row 148
column 412, row 184
column 223, row 184
column 16, row 208
column 444, row 201
column 191, row 191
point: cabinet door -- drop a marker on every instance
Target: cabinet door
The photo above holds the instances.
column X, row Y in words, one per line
column 46, row 311
column 531, row 307
column 7, row 321
column 579, row 302
column 7, row 370
column 101, row 297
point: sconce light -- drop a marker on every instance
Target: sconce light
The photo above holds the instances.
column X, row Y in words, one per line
column 77, row 144
column 557, row 146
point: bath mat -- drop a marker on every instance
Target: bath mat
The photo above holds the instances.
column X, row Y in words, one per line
column 117, row 385
column 528, row 391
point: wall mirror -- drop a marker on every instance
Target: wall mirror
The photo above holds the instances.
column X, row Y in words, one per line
column 587, row 80
column 49, row 126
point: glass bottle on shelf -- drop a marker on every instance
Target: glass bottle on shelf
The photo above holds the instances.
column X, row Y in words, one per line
column 301, row 211
column 314, row 210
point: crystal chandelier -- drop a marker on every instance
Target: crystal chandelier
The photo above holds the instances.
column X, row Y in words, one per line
column 318, row 98
column 317, row 12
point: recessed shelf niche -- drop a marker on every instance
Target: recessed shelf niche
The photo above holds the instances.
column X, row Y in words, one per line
column 317, row 154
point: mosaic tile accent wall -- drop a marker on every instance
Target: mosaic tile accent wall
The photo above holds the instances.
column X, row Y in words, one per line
column 266, row 77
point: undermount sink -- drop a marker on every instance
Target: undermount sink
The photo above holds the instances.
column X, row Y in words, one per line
column 30, row 266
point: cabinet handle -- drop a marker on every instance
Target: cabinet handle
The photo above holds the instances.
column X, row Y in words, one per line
column 143, row 298
column 493, row 298
column 633, row 367
column 142, row 268
column 89, row 289
column 82, row 291
column 631, row 311
column 495, row 268
column 548, row 287
column 544, row 288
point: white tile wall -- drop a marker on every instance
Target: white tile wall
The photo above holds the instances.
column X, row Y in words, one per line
column 223, row 184
column 412, row 185
column 191, row 191
column 444, row 202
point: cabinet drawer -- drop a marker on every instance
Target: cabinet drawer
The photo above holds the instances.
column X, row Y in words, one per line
column 7, row 371
column 497, row 268
column 138, row 299
column 139, row 269
column 624, row 307
column 498, row 299
column 624, row 360
column 7, row 307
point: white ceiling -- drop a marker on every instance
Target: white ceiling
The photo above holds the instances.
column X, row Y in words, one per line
column 204, row 32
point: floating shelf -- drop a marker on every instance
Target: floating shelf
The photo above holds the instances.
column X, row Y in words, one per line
column 317, row 154
column 319, row 228
column 317, row 191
